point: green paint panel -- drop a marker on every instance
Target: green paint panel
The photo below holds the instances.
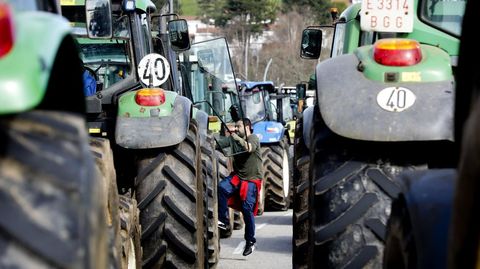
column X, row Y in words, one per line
column 127, row 107
column 352, row 36
column 72, row 2
column 144, row 4
column 426, row 34
column 435, row 66
column 26, row 69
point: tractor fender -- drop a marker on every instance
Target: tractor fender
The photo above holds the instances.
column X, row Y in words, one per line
column 269, row 131
column 307, row 125
column 155, row 132
column 349, row 107
column 428, row 196
column 38, row 36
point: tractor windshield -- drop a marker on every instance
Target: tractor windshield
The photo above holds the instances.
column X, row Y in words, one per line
column 446, row 15
column 253, row 104
column 208, row 73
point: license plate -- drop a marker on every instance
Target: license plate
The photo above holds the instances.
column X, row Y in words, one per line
column 387, row 16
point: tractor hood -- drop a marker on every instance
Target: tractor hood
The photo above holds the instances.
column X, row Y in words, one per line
column 269, row 131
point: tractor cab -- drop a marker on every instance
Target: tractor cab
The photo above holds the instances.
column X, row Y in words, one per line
column 256, row 101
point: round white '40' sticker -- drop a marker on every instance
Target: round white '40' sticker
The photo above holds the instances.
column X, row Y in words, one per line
column 396, row 99
column 153, row 70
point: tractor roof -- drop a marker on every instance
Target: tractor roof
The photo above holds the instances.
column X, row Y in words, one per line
column 351, row 12
column 252, row 84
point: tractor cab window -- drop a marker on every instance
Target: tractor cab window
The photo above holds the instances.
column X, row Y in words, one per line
column 253, row 104
column 338, row 37
column 146, row 32
column 446, row 15
column 108, row 59
column 367, row 38
column 256, row 96
column 286, row 109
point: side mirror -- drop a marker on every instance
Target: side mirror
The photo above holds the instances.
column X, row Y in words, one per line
column 99, row 18
column 178, row 33
column 311, row 43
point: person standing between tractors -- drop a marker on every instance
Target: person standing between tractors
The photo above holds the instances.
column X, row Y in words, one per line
column 240, row 190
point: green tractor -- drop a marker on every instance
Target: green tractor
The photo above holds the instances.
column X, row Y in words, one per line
column 384, row 105
column 139, row 117
column 51, row 198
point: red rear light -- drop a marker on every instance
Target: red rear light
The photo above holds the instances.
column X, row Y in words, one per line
column 397, row 52
column 6, row 29
column 150, row 97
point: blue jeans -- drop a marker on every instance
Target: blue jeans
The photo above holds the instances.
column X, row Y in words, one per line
column 225, row 191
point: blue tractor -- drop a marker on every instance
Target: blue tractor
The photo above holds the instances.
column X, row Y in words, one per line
column 263, row 112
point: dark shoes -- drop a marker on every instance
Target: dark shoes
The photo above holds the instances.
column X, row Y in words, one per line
column 224, row 229
column 249, row 248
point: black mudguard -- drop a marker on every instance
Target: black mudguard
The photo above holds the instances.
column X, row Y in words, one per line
column 348, row 105
column 307, row 125
column 155, row 132
column 429, row 198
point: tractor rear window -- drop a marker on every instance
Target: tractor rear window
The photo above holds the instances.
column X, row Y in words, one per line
column 108, row 59
column 446, row 15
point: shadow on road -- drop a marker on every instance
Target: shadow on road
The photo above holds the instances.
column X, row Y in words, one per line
column 278, row 244
column 274, row 220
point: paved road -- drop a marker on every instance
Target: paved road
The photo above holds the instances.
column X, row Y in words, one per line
column 274, row 244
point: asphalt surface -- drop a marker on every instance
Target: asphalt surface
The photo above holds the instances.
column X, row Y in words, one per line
column 274, row 244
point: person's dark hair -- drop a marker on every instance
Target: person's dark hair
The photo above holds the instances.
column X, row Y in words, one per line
column 247, row 122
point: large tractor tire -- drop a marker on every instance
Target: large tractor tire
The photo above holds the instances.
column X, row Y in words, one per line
column 50, row 196
column 301, row 224
column 169, row 191
column 209, row 164
column 463, row 250
column 352, row 186
column 131, row 249
column 400, row 251
column 103, row 155
column 276, row 169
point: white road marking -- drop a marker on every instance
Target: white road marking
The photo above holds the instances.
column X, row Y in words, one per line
column 288, row 214
column 239, row 248
column 241, row 245
column 261, row 226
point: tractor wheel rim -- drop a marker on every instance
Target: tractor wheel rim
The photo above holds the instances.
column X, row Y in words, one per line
column 132, row 260
column 285, row 174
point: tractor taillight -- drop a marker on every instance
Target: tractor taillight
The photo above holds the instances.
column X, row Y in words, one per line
column 273, row 130
column 150, row 97
column 6, row 29
column 397, row 52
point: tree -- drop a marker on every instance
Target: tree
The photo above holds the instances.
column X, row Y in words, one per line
column 241, row 18
column 319, row 10
column 287, row 66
